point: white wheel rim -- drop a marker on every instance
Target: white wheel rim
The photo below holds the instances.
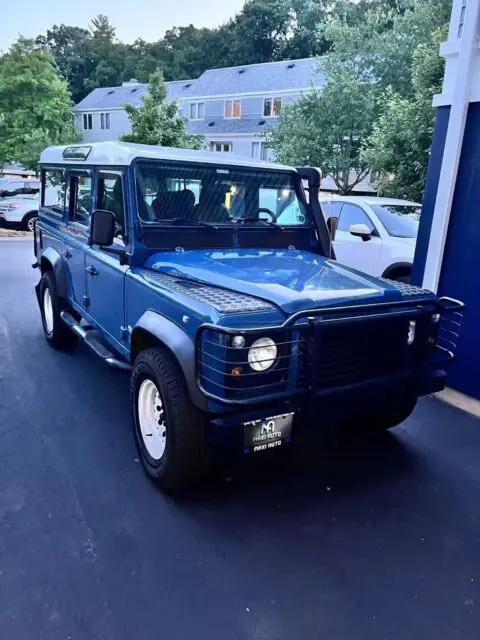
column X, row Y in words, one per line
column 48, row 310
column 152, row 419
column 30, row 224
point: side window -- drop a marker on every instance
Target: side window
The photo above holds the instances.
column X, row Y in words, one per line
column 79, row 197
column 53, row 191
column 110, row 198
column 352, row 214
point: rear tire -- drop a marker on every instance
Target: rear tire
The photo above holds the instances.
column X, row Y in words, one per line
column 169, row 430
column 57, row 334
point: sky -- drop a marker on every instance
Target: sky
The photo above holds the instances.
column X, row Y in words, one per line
column 148, row 19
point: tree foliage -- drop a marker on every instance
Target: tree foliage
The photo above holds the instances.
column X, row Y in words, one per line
column 326, row 128
column 382, row 71
column 399, row 145
column 156, row 121
column 35, row 105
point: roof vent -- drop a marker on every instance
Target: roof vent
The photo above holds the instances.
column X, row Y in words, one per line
column 290, row 65
column 110, row 92
column 241, row 71
column 210, row 124
column 261, row 122
column 133, row 90
column 186, row 86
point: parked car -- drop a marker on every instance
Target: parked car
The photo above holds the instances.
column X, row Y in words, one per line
column 19, row 212
column 236, row 326
column 374, row 235
column 15, row 188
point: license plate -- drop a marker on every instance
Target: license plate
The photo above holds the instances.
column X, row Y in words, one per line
column 267, row 433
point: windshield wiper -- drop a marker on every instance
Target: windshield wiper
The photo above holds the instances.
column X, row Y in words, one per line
column 194, row 223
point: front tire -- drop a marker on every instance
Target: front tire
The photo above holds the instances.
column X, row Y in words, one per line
column 28, row 222
column 391, row 417
column 169, row 430
column 57, row 334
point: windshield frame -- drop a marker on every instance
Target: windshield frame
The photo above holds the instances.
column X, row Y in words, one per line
column 234, row 225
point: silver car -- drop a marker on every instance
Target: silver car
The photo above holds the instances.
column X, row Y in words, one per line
column 19, row 212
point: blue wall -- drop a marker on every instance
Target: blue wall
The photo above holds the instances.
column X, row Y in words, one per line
column 460, row 276
column 433, row 175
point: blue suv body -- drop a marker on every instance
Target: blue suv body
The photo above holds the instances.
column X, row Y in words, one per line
column 212, row 280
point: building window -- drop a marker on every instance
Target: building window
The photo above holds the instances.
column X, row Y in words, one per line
column 260, row 151
column 197, row 110
column 221, row 146
column 105, row 120
column 87, row 121
column 462, row 18
column 272, row 107
column 232, row 108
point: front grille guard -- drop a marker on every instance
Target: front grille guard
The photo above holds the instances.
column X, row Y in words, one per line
column 292, row 373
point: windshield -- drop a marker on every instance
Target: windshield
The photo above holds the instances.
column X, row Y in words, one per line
column 209, row 195
column 400, row 220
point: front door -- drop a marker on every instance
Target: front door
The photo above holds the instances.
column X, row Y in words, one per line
column 104, row 273
column 78, row 204
column 351, row 250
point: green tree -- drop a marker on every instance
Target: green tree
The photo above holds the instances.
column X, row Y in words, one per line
column 326, row 128
column 157, row 122
column 72, row 49
column 400, row 142
column 35, row 104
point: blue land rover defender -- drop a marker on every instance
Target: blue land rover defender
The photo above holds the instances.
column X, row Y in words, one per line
column 211, row 278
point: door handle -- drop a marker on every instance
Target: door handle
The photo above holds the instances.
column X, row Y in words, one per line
column 92, row 271
column 67, row 254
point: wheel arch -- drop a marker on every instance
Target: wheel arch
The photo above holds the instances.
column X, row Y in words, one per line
column 29, row 213
column 397, row 269
column 51, row 260
column 154, row 330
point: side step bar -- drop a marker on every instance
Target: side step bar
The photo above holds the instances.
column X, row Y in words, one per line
column 92, row 339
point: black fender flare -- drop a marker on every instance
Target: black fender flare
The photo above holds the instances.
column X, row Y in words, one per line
column 395, row 266
column 153, row 328
column 50, row 259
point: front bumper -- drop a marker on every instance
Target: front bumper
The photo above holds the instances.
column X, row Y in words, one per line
column 332, row 353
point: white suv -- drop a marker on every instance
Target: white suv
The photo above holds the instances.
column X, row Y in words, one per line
column 19, row 212
column 374, row 235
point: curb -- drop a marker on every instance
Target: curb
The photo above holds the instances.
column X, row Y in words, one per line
column 13, row 239
column 460, row 401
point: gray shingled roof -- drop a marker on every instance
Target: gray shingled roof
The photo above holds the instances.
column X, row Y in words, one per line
column 116, row 97
column 269, row 76
column 242, row 125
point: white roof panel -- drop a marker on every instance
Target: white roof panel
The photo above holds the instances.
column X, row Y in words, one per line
column 124, row 153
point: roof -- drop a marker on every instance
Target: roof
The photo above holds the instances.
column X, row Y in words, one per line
column 131, row 93
column 124, row 153
column 371, row 200
column 288, row 75
column 265, row 77
column 212, row 126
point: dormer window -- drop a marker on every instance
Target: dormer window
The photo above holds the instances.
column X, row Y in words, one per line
column 232, row 109
column 197, row 110
column 272, row 107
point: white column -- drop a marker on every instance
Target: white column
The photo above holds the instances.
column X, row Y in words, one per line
column 460, row 98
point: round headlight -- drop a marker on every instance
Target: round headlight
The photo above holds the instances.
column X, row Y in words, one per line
column 262, row 354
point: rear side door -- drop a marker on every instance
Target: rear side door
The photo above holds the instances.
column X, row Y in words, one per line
column 105, row 275
column 351, row 250
column 79, row 207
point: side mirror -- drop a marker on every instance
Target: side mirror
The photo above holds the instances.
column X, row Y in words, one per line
column 102, row 228
column 361, row 230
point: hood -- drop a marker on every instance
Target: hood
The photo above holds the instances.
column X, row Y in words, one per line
column 292, row 280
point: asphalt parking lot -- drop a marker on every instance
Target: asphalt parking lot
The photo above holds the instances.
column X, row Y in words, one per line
column 355, row 539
